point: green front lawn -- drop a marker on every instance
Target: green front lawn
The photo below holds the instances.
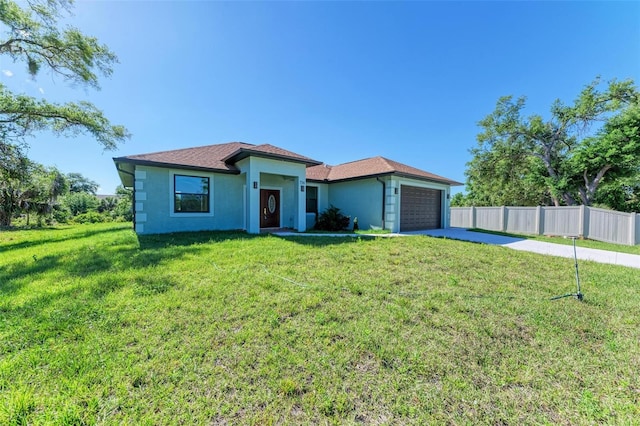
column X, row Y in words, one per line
column 100, row 327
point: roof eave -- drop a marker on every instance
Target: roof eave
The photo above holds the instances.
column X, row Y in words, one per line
column 173, row 165
column 428, row 179
column 371, row 176
column 127, row 177
column 377, row 175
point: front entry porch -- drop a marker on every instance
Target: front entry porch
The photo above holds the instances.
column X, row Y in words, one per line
column 275, row 194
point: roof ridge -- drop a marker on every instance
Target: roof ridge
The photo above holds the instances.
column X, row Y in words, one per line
column 357, row 161
column 189, row 148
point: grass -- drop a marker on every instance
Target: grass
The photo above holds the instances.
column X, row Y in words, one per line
column 349, row 232
column 101, row 327
column 600, row 245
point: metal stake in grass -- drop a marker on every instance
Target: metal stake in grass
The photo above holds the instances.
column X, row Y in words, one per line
column 578, row 295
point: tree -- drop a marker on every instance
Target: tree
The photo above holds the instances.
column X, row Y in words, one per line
column 79, row 183
column 124, row 207
column 562, row 160
column 14, row 169
column 32, row 189
column 614, row 152
column 39, row 192
column 81, row 202
column 31, row 35
column 622, row 194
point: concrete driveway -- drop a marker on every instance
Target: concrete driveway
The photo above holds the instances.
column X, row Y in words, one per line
column 551, row 249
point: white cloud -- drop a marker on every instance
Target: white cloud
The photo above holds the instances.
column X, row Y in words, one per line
column 8, row 73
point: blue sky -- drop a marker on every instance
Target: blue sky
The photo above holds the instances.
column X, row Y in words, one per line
column 335, row 81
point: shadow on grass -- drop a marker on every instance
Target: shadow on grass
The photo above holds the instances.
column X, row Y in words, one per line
column 320, row 241
column 40, row 242
column 182, row 239
column 127, row 257
column 68, row 299
column 157, row 241
column 11, row 275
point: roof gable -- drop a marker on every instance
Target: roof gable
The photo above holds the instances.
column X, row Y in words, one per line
column 269, row 151
column 371, row 167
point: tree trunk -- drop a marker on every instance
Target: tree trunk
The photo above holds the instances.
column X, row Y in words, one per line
column 6, row 208
column 568, row 199
column 590, row 187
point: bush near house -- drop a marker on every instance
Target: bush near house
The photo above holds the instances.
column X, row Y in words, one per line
column 332, row 220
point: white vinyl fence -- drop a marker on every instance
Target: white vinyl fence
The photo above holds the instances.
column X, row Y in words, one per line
column 588, row 222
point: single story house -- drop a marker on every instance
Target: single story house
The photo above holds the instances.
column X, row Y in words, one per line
column 254, row 187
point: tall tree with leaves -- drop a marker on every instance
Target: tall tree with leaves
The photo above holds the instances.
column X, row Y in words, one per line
column 79, row 183
column 563, row 159
column 33, row 36
column 39, row 192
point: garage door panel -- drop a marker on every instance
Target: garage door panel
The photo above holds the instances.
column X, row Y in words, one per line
column 420, row 208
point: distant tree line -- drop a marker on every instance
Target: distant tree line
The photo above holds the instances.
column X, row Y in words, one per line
column 584, row 153
column 38, row 195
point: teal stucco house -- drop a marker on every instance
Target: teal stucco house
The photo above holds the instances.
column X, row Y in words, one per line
column 238, row 185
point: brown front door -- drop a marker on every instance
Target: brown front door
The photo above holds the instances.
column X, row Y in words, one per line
column 269, row 208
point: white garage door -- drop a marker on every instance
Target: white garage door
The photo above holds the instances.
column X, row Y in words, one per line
column 420, row 208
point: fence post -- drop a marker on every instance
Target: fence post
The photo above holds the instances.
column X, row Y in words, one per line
column 581, row 222
column 503, row 219
column 473, row 217
column 632, row 230
column 538, row 220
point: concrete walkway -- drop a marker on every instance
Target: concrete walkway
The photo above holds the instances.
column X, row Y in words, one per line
column 541, row 247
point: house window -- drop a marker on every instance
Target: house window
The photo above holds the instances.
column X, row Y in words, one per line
column 191, row 194
column 312, row 199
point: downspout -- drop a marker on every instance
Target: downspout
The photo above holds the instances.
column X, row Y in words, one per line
column 133, row 201
column 384, row 198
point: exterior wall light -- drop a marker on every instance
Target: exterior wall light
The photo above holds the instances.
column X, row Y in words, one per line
column 301, row 188
column 255, row 184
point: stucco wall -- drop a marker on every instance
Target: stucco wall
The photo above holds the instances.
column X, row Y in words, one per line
column 154, row 193
column 363, row 199
column 359, row 198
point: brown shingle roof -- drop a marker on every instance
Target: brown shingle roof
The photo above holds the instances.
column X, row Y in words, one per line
column 320, row 172
column 221, row 157
column 371, row 167
column 204, row 157
column 270, row 151
column 214, row 157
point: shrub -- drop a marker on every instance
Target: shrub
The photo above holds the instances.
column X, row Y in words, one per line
column 80, row 202
column 61, row 213
column 332, row 220
column 91, row 217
